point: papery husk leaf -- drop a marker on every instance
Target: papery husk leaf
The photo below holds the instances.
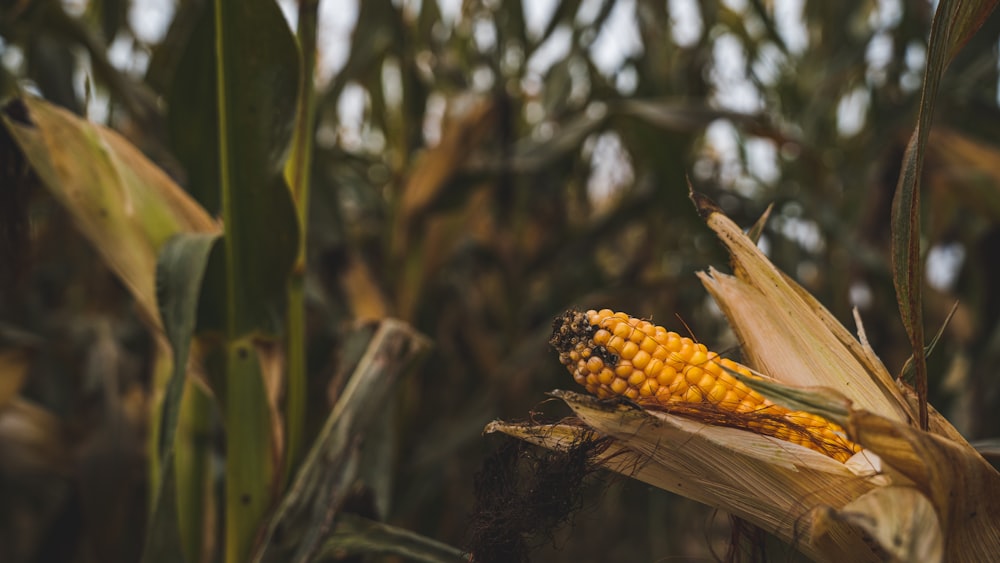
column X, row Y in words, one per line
column 988, row 448
column 769, row 482
column 757, row 229
column 866, row 348
column 900, row 519
column 963, row 487
column 786, row 333
column 937, row 423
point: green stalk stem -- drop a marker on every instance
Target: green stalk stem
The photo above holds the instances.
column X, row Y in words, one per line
column 248, row 445
column 297, row 172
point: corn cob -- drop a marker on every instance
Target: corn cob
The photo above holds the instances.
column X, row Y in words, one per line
column 613, row 354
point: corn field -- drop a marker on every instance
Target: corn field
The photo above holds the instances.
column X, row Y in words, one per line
column 308, row 280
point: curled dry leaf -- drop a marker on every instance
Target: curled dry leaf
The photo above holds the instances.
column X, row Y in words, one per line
column 901, row 520
column 462, row 133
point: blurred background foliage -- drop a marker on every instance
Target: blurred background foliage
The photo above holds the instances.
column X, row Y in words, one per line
column 480, row 167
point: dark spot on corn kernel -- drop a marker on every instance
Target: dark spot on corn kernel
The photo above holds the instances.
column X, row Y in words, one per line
column 610, row 358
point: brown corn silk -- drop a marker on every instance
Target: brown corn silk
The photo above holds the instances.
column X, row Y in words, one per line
column 615, row 355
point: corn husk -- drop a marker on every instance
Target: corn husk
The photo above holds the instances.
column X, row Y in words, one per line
column 909, row 495
column 786, row 333
column 726, row 468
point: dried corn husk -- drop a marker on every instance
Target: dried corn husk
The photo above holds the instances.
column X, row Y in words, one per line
column 910, row 495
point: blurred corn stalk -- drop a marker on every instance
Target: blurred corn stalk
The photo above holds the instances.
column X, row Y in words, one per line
column 224, row 301
column 909, row 495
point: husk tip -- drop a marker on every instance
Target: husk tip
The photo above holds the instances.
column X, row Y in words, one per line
column 702, row 203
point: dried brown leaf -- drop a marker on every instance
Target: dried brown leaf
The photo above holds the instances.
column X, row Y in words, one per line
column 460, row 136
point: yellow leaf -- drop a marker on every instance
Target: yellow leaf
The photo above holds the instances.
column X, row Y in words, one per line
column 121, row 202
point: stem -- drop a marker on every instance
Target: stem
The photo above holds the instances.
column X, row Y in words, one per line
column 297, row 172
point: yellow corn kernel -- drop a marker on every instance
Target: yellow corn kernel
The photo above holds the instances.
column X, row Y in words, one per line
column 693, row 375
column 630, row 348
column 698, row 358
column 641, row 360
column 655, row 367
column 606, row 376
column 637, row 336
column 619, row 386
column 731, row 399
column 615, row 343
column 693, row 395
column 667, row 375
column 613, row 354
column 678, row 387
column 622, row 330
column 594, row 364
column 649, row 387
column 601, row 337
column 717, row 394
column 638, row 378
